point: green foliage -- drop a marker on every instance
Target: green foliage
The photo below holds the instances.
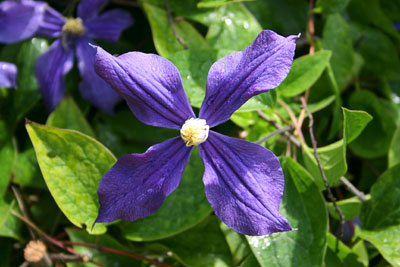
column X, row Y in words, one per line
column 72, row 165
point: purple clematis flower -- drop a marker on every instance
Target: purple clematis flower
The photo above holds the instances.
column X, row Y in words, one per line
column 243, row 181
column 8, row 75
column 77, row 33
column 20, row 20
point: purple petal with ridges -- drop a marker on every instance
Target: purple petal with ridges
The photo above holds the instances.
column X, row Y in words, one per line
column 136, row 186
column 52, row 24
column 150, row 84
column 19, row 20
column 236, row 78
column 89, row 9
column 8, row 75
column 109, row 25
column 244, row 184
column 93, row 88
column 50, row 70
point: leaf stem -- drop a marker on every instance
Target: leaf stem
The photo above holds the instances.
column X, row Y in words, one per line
column 353, row 189
column 171, row 22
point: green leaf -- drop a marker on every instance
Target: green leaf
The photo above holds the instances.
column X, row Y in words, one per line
column 331, row 6
column 72, row 165
column 375, row 140
column 184, row 208
column 202, row 245
column 163, row 36
column 350, row 208
column 339, row 255
column 26, row 171
column 333, row 161
column 386, row 240
column 383, row 209
column 337, row 38
column 237, row 243
column 355, row 122
column 7, row 157
column 394, row 150
column 9, row 224
column 303, row 205
column 106, row 259
column 304, row 73
column 234, row 27
column 217, row 3
column 67, row 115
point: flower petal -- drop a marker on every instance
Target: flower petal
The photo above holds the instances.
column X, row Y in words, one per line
column 236, row 78
column 50, row 70
column 93, row 88
column 150, row 84
column 19, row 21
column 8, row 75
column 137, row 184
column 244, row 184
column 52, row 24
column 88, row 9
column 109, row 25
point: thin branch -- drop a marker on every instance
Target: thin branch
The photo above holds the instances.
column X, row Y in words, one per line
column 22, row 207
column 171, row 22
column 116, row 251
column 293, row 118
column 314, row 144
column 311, row 28
column 353, row 189
column 278, row 131
column 287, row 134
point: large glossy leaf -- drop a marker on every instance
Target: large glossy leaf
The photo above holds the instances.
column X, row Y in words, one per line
column 72, row 165
column 164, row 39
column 303, row 205
column 234, row 27
column 202, row 245
column 394, row 150
column 7, row 157
column 350, row 207
column 67, row 115
column 376, row 138
column 337, row 38
column 355, row 122
column 304, row 73
column 184, row 208
column 237, row 244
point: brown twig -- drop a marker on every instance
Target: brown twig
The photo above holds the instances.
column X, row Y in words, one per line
column 353, row 189
column 116, row 251
column 171, row 22
column 311, row 28
column 278, row 131
column 314, row 144
column 287, row 134
column 297, row 126
column 22, row 207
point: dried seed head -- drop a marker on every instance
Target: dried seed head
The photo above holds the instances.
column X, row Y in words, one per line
column 35, row 251
column 194, row 131
column 74, row 26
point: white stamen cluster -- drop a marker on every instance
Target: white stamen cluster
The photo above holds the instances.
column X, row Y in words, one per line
column 194, row 131
column 74, row 26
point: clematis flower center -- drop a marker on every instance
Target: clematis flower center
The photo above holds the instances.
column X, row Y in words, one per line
column 74, row 26
column 194, row 131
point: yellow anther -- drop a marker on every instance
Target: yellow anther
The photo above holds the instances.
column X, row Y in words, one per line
column 74, row 26
column 194, row 131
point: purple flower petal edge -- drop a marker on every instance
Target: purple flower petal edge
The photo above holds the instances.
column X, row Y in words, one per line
column 236, row 78
column 8, row 75
column 136, row 186
column 244, row 184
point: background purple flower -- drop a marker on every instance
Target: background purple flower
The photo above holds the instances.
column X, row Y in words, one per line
column 75, row 34
column 8, row 75
column 19, row 20
column 243, row 181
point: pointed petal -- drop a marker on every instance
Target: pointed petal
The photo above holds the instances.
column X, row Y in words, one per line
column 93, row 88
column 109, row 25
column 8, row 75
column 236, row 78
column 137, row 184
column 19, row 21
column 88, row 9
column 52, row 24
column 244, row 184
column 150, row 84
column 50, row 70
